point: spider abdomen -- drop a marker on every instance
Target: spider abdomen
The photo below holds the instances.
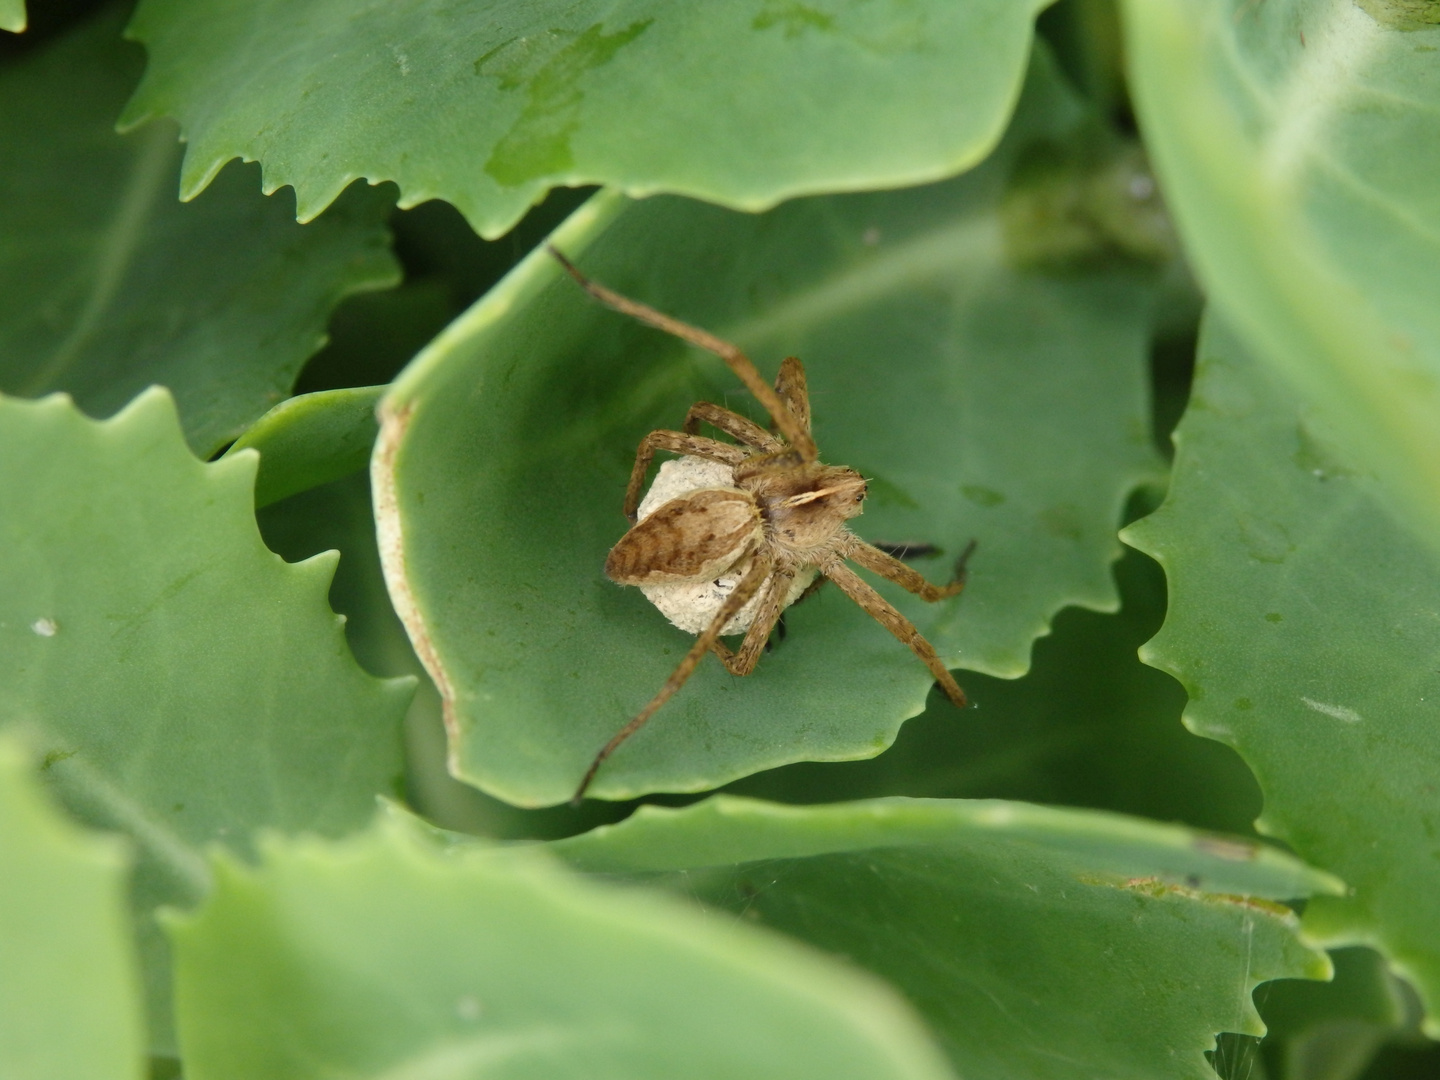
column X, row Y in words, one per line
column 691, row 538
column 690, row 604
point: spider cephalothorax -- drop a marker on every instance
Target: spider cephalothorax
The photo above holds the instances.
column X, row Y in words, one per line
column 771, row 517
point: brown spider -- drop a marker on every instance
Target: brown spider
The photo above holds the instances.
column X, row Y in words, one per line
column 782, row 516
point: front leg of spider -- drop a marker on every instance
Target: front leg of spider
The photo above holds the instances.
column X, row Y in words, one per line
column 765, row 522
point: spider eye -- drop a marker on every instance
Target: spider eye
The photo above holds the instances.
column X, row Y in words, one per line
column 860, row 496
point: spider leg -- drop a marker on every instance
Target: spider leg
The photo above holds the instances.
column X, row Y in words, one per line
column 766, row 616
column 887, row 616
column 677, row 442
column 732, row 424
column 737, row 361
column 749, row 584
column 887, row 565
column 790, row 385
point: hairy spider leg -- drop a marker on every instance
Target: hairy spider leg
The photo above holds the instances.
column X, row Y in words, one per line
column 677, row 442
column 810, row 590
column 743, row 367
column 791, row 388
column 749, row 584
column 732, row 424
column 772, row 602
column 883, row 612
column 888, row 566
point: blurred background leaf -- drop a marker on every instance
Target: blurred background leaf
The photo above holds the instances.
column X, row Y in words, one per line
column 1298, row 142
column 487, row 106
column 70, row 1002
column 109, row 284
column 12, row 15
column 1039, row 943
column 380, row 955
column 1303, row 623
column 183, row 684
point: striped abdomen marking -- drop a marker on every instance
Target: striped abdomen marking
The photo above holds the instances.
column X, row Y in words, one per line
column 687, row 539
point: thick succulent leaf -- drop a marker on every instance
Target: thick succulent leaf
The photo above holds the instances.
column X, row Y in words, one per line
column 310, row 440
column 380, row 956
column 338, row 516
column 1299, row 142
column 1090, row 725
column 1303, row 623
column 69, row 984
column 108, row 284
column 488, row 105
column 12, row 15
column 1038, row 942
column 953, row 355
column 185, row 684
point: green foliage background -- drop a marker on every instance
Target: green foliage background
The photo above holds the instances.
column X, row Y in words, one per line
column 244, row 836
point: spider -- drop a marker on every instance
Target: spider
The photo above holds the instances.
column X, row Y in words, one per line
column 775, row 520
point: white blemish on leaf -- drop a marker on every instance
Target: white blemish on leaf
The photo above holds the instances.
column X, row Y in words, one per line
column 45, row 627
column 1339, row 712
column 468, row 1008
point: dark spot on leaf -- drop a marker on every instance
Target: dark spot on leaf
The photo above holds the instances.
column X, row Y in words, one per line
column 1273, row 616
column 982, row 496
column 54, row 757
column 1062, row 521
column 794, row 18
column 1244, row 704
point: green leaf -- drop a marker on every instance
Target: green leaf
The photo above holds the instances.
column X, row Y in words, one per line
column 988, row 390
column 380, row 956
column 1299, row 142
column 12, row 15
column 69, row 984
column 184, row 683
column 107, row 284
column 1303, row 625
column 487, row 106
column 338, row 515
column 1090, row 725
column 310, row 440
column 1038, row 942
